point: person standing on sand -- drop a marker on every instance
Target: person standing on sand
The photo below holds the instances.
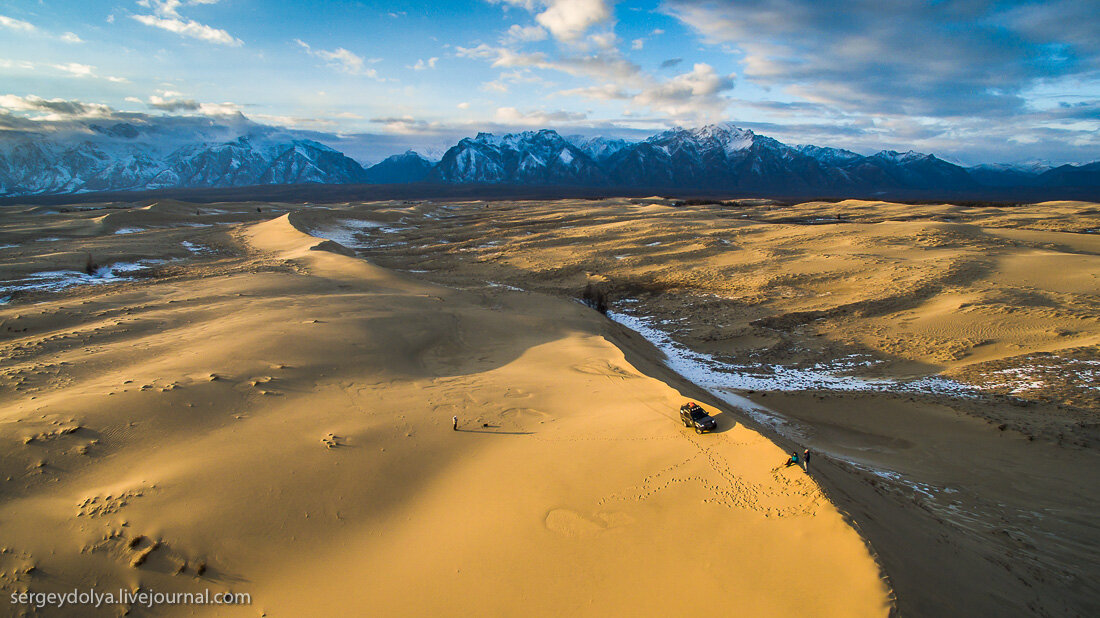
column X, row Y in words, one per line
column 806, row 460
column 454, row 421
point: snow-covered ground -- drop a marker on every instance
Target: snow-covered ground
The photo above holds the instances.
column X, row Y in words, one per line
column 59, row 280
column 351, row 232
column 724, row 380
column 194, row 247
column 719, row 377
column 1022, row 380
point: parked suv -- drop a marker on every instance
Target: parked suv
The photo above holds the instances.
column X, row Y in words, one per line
column 693, row 415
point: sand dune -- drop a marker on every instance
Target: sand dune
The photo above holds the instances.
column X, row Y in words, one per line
column 273, row 416
column 941, row 358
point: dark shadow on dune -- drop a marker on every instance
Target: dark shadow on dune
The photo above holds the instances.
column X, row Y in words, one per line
column 496, row 429
column 725, row 421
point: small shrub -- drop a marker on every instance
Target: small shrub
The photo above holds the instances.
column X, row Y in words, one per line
column 90, row 266
column 594, row 296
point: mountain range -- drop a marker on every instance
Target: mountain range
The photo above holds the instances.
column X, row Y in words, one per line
column 717, row 157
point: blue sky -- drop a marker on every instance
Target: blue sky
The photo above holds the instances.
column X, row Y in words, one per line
column 971, row 81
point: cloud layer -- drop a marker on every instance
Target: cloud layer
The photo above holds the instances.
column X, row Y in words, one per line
column 920, row 59
column 970, row 79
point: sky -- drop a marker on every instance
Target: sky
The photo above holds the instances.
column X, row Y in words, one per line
column 972, row 81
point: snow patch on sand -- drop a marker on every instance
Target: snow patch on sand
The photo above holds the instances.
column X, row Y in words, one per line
column 195, row 247
column 60, row 280
column 350, row 232
column 719, row 377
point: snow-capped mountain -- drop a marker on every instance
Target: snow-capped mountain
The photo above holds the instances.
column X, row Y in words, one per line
column 598, row 148
column 123, row 157
column 144, row 152
column 718, row 156
column 888, row 170
column 828, row 156
column 1009, row 174
column 407, row 167
column 1084, row 175
column 531, row 157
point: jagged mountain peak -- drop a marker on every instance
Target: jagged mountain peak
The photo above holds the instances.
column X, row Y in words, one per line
column 599, row 148
column 724, row 137
column 115, row 161
column 903, row 157
column 826, row 154
column 409, row 166
column 516, row 140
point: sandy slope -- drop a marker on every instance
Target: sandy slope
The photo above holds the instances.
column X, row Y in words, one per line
column 966, row 291
column 980, row 501
column 277, row 415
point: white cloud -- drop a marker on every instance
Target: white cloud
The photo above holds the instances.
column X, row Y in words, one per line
column 342, row 60
column 525, row 34
column 219, row 109
column 70, row 69
column 603, row 92
column 601, row 40
column 463, row 105
column 530, row 5
column 15, row 64
column 637, row 44
column 421, row 65
column 510, row 115
column 171, row 101
column 602, row 66
column 173, row 104
column 519, row 76
column 16, row 24
column 568, row 20
column 189, row 28
column 696, row 94
column 53, row 109
column 406, row 125
column 19, row 25
column 76, row 69
column 166, row 17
